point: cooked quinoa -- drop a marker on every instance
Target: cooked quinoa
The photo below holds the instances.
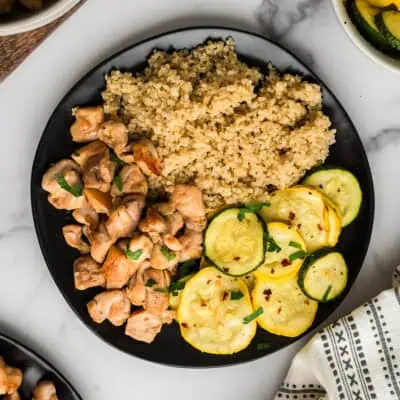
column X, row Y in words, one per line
column 221, row 124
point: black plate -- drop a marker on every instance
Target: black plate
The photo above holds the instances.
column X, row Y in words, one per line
column 34, row 369
column 56, row 143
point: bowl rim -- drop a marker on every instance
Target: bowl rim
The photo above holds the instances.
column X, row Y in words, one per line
column 37, row 19
column 358, row 40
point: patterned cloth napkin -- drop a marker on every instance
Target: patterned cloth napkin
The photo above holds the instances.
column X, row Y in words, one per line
column 356, row 358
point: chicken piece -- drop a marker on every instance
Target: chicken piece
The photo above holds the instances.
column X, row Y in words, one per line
column 87, row 123
column 10, row 378
column 164, row 258
column 65, row 173
column 132, row 181
column 146, row 157
column 118, row 268
column 85, row 153
column 99, row 171
column 114, row 134
column 86, row 216
column 73, row 237
column 124, row 219
column 188, row 200
column 192, row 245
column 175, row 223
column 112, row 305
column 172, row 242
column 100, row 201
column 157, row 298
column 13, row 396
column 153, row 222
column 100, row 242
column 136, row 290
column 144, row 326
column 88, row 273
column 45, row 390
column 6, row 6
column 142, row 244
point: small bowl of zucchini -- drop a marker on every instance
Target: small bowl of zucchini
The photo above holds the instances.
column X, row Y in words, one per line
column 269, row 265
column 374, row 27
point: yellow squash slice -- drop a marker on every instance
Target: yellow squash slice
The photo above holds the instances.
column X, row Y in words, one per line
column 335, row 227
column 305, row 209
column 287, row 310
column 285, row 254
column 211, row 313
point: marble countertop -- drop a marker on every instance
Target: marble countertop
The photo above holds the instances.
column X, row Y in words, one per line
column 32, row 309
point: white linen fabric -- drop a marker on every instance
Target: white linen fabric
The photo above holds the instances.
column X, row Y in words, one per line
column 355, row 358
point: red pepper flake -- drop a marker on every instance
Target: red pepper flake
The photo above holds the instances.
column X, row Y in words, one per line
column 208, row 282
column 292, row 215
column 285, row 262
column 299, row 226
column 267, row 294
column 272, row 271
column 184, row 325
column 203, row 303
column 219, row 276
column 237, row 258
column 279, row 310
column 321, row 186
column 320, row 227
column 226, row 269
column 225, row 296
column 307, row 302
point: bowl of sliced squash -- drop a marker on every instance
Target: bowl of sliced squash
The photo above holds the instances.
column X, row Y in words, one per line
column 374, row 27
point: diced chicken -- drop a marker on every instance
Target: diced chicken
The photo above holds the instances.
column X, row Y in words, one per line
column 118, row 268
column 65, row 172
column 126, row 154
column 100, row 242
column 100, row 201
column 13, row 396
column 10, row 378
column 156, row 300
column 163, row 258
column 86, row 216
column 142, row 244
column 99, row 171
column 136, row 290
column 146, row 157
column 172, row 242
column 124, row 219
column 192, row 245
column 87, row 273
column 112, row 305
column 132, row 181
column 85, row 153
column 114, row 134
column 175, row 223
column 188, row 200
column 144, row 326
column 45, row 390
column 73, row 237
column 153, row 222
column 87, row 123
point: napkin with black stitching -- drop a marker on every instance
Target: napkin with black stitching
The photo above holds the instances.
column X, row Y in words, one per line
column 356, row 358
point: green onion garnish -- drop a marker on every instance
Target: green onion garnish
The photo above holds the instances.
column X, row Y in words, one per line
column 186, row 268
column 175, row 286
column 117, row 160
column 134, row 255
column 252, row 207
column 75, row 190
column 253, row 316
column 295, row 244
column 236, row 295
column 168, row 254
column 151, row 282
column 118, row 182
column 298, row 254
column 326, row 294
column 272, row 246
column 161, row 290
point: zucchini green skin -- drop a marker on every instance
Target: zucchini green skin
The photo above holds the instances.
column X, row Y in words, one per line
column 390, row 38
column 375, row 37
column 212, row 263
column 308, row 262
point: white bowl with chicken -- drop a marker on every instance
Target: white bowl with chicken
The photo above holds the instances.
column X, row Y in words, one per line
column 17, row 16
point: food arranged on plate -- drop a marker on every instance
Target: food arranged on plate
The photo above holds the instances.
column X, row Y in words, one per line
column 379, row 22
column 11, row 379
column 188, row 206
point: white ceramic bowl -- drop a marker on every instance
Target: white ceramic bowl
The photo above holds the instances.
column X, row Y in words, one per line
column 36, row 19
column 376, row 55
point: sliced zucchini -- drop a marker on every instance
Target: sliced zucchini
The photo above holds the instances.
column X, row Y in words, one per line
column 335, row 227
column 212, row 310
column 363, row 16
column 380, row 3
column 341, row 187
column 287, row 310
column 286, row 254
column 234, row 241
column 305, row 209
column 175, row 291
column 389, row 24
column 323, row 276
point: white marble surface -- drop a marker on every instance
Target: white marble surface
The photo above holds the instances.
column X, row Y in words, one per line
column 32, row 309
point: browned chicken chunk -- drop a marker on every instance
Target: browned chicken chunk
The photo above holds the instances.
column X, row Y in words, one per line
column 164, row 258
column 64, row 184
column 73, row 237
column 118, row 268
column 146, row 157
column 88, row 273
column 153, row 222
column 87, row 123
column 144, row 326
column 85, row 153
column 114, row 134
column 131, row 181
column 100, row 201
column 86, row 216
column 192, row 245
column 112, row 305
column 100, row 242
column 172, row 242
column 45, row 390
column 10, row 378
column 141, row 246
